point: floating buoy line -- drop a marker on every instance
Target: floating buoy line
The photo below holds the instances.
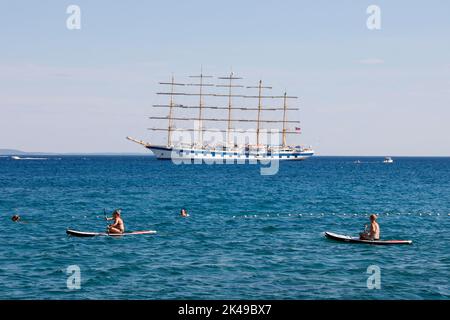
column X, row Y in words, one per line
column 337, row 214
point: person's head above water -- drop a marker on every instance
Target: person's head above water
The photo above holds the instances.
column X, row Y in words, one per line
column 183, row 212
column 373, row 217
column 15, row 218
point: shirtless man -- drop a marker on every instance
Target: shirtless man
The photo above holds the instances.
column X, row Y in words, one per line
column 374, row 231
column 117, row 226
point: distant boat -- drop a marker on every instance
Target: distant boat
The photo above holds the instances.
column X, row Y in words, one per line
column 388, row 160
column 28, row 158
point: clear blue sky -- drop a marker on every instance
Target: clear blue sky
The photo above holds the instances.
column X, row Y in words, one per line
column 363, row 92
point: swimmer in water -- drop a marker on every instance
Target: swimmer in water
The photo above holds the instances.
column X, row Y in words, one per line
column 184, row 213
column 15, row 218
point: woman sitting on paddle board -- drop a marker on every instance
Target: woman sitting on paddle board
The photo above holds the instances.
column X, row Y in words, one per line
column 118, row 225
column 374, row 232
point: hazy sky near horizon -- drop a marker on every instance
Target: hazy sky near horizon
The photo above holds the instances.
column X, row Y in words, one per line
column 362, row 92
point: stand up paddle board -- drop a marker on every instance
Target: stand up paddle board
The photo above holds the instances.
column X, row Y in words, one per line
column 105, row 234
column 343, row 238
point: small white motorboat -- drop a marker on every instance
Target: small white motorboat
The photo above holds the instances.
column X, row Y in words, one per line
column 388, row 160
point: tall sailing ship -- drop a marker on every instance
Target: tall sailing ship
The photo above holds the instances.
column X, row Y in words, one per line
column 237, row 145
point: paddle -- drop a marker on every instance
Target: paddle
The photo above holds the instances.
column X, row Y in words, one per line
column 104, row 215
column 106, row 219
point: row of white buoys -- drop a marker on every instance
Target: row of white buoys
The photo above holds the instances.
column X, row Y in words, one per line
column 386, row 214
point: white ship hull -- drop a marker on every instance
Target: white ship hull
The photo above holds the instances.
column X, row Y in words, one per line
column 215, row 155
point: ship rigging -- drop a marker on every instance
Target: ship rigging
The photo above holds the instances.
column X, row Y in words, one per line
column 231, row 148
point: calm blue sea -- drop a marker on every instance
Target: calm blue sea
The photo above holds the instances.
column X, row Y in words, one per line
column 248, row 236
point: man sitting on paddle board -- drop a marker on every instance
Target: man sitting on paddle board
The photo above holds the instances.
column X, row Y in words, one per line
column 374, row 232
column 117, row 226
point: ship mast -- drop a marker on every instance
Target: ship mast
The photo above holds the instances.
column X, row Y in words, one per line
column 284, row 121
column 229, row 86
column 169, row 129
column 172, row 84
column 201, row 76
column 258, row 119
